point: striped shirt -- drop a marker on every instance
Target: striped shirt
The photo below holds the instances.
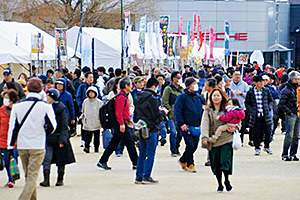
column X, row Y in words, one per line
column 259, row 102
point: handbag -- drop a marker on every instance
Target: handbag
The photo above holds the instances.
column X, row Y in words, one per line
column 195, row 131
column 236, row 142
column 1, row 160
column 14, row 170
column 18, row 126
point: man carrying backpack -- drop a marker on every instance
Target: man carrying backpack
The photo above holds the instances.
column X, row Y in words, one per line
column 122, row 116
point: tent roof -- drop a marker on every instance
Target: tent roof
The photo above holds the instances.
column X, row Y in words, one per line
column 278, row 47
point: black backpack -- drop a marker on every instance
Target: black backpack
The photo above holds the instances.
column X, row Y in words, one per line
column 107, row 114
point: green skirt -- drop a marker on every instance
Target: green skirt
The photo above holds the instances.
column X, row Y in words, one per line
column 221, row 158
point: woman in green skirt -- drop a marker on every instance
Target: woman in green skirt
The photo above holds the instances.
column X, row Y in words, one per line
column 220, row 148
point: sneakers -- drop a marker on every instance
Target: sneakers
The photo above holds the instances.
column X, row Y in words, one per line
column 82, row 143
column 175, row 153
column 192, row 169
column 268, row 150
column 286, row 158
column 220, row 189
column 257, row 152
column 207, row 164
column 133, row 167
column 251, row 144
column 163, row 141
column 183, row 165
column 138, row 181
column 86, row 150
column 9, row 185
column 294, row 158
column 96, row 150
column 148, row 181
column 228, row 186
column 103, row 166
column 119, row 155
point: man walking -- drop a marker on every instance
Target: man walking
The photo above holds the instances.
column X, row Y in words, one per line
column 32, row 134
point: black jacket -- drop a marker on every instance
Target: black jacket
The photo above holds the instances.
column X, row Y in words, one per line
column 64, row 155
column 147, row 109
column 19, row 88
column 251, row 105
column 288, row 100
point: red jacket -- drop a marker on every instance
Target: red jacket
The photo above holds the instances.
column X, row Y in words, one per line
column 233, row 116
column 122, row 109
column 4, row 124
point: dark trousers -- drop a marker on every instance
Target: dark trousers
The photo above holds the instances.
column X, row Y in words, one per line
column 88, row 138
column 191, row 143
column 113, row 144
column 261, row 132
column 178, row 139
column 244, row 126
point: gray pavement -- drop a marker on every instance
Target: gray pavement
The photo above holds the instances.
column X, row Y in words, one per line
column 263, row 177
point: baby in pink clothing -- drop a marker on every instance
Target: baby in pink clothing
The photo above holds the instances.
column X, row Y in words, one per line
column 233, row 117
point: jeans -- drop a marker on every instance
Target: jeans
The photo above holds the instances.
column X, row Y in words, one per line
column 48, row 159
column 7, row 161
column 121, row 145
column 32, row 160
column 261, row 132
column 107, row 136
column 191, row 143
column 113, row 144
column 291, row 136
column 88, row 138
column 163, row 129
column 147, row 149
column 173, row 136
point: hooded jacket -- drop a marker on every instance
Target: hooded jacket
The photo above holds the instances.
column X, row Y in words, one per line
column 234, row 115
column 242, row 87
column 147, row 109
column 288, row 100
column 81, row 94
column 67, row 99
column 91, row 111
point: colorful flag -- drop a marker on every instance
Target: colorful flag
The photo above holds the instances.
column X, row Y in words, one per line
column 212, row 39
column 180, row 25
column 178, row 45
column 200, row 36
column 205, row 55
column 230, row 60
column 170, row 46
column 142, row 29
column 226, row 44
column 237, row 58
column 164, row 24
column 61, row 46
column 150, row 34
column 193, row 29
column 126, row 35
column 189, row 32
column 158, row 38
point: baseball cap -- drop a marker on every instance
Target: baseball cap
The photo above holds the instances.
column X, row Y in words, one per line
column 7, row 71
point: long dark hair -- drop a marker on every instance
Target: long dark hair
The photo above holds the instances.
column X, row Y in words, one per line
column 115, row 88
column 223, row 102
column 235, row 102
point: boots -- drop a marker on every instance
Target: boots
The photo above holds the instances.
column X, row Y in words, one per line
column 60, row 179
column 46, row 182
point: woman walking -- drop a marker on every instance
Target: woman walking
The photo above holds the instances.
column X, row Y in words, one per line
column 220, row 152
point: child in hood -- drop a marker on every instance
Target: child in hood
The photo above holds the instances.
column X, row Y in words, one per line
column 233, row 117
column 91, row 119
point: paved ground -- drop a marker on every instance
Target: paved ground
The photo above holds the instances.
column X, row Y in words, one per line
column 264, row 177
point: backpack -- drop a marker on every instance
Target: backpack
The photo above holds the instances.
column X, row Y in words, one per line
column 107, row 114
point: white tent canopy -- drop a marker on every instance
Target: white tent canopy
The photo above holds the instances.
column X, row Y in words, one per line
column 10, row 53
column 20, row 34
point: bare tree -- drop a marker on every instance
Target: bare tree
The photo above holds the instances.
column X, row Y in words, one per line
column 49, row 14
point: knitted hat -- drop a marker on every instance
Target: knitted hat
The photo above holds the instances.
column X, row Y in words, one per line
column 189, row 81
column 53, row 93
column 35, row 85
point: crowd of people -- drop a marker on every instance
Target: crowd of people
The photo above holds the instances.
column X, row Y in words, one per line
column 40, row 113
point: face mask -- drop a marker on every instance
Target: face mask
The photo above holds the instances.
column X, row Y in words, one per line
column 195, row 87
column 6, row 101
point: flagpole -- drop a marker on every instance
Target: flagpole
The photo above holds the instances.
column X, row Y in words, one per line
column 122, row 35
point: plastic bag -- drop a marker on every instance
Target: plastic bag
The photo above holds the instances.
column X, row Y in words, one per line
column 14, row 169
column 236, row 142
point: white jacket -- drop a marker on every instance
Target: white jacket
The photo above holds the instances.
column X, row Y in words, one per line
column 32, row 134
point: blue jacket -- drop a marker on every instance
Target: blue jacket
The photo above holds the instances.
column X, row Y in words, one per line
column 188, row 109
column 67, row 99
column 81, row 94
column 201, row 84
column 273, row 92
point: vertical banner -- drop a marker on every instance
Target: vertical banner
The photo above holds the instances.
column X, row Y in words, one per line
column 189, row 32
column 164, row 24
column 212, row 39
column 37, row 47
column 158, row 39
column 126, row 36
column 205, row 54
column 178, row 44
column 86, row 55
column 193, row 29
column 237, row 58
column 171, row 46
column 180, row 25
column 142, row 29
column 61, row 47
column 200, row 36
column 34, row 43
column 226, row 44
column 230, row 60
column 150, row 37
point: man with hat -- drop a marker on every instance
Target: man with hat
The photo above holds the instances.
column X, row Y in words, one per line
column 258, row 100
column 31, row 136
column 7, row 73
column 188, row 114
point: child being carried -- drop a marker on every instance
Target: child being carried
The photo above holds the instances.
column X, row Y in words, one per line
column 233, row 117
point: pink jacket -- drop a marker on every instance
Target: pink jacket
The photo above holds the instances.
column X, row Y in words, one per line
column 233, row 116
